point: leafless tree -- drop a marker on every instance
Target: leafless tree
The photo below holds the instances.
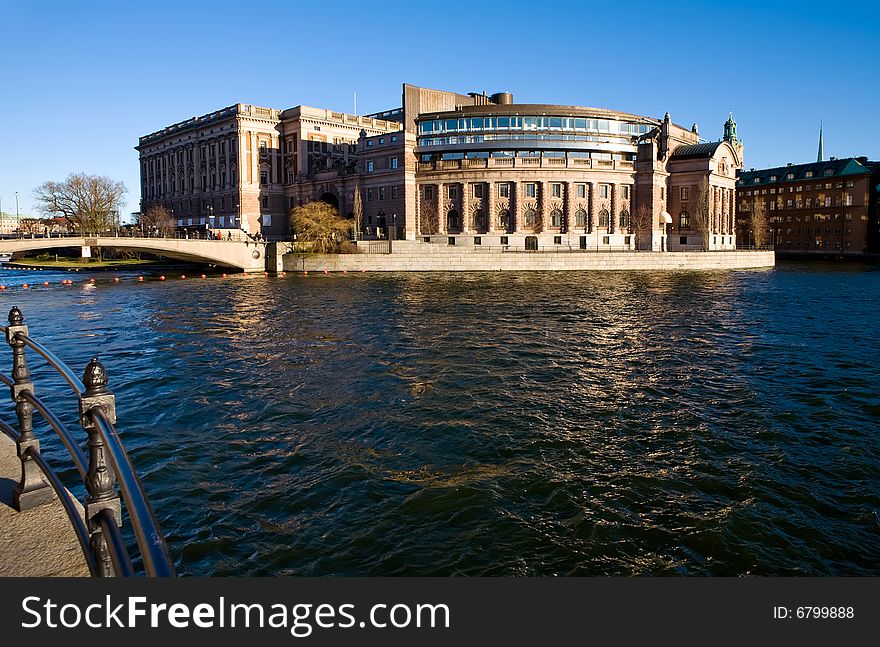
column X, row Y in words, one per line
column 702, row 212
column 641, row 221
column 759, row 219
column 319, row 225
column 430, row 219
column 157, row 218
column 89, row 202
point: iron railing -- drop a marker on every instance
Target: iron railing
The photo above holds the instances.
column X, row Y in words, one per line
column 106, row 471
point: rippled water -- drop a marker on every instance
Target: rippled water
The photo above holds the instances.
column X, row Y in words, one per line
column 494, row 424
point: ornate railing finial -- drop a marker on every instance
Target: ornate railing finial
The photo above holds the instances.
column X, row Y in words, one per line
column 95, row 378
column 15, row 316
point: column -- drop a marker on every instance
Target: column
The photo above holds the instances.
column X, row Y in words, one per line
column 591, row 210
column 732, row 210
column 544, row 204
column 513, row 216
column 466, row 189
column 615, row 210
column 568, row 207
column 489, row 201
column 441, row 208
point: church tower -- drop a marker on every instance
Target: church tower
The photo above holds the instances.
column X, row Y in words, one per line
column 821, row 156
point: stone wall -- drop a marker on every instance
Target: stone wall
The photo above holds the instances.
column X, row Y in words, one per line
column 410, row 256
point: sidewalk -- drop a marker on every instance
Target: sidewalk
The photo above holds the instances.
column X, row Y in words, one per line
column 39, row 542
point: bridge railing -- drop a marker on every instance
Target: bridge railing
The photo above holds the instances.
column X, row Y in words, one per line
column 106, row 472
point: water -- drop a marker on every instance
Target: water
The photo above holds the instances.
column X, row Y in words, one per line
column 720, row 423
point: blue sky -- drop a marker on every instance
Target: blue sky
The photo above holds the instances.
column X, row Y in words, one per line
column 80, row 81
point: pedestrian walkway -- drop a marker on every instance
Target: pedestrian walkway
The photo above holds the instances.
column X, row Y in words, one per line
column 38, row 542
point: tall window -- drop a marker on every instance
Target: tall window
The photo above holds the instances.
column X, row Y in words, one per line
column 684, row 193
column 479, row 220
column 478, row 190
column 369, row 194
column 603, row 217
column 429, row 193
column 504, row 219
column 531, row 190
column 556, row 218
column 503, row 190
column 264, row 178
column 580, row 218
column 684, row 220
column 529, row 217
column 452, row 192
column 381, row 193
column 370, row 166
column 604, row 191
column 624, row 219
column 393, row 162
column 582, row 190
column 556, row 190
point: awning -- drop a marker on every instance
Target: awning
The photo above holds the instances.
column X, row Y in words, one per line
column 665, row 218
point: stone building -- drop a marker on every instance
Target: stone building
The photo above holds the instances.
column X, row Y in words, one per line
column 819, row 207
column 456, row 169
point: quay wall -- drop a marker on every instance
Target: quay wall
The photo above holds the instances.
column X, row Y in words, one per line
column 441, row 259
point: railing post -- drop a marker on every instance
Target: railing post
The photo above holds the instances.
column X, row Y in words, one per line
column 32, row 490
column 100, row 479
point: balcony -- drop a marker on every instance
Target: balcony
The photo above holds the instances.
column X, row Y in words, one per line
column 526, row 162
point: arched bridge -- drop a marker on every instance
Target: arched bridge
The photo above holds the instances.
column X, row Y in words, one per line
column 242, row 254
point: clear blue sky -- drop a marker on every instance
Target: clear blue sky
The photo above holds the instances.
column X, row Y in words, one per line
column 81, row 81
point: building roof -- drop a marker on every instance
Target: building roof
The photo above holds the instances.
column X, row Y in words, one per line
column 815, row 170
column 691, row 151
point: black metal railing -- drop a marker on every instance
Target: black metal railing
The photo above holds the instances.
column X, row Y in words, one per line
column 106, row 470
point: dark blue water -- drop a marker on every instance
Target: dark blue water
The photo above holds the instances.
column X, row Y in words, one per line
column 719, row 423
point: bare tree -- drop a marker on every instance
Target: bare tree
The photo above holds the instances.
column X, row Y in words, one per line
column 702, row 213
column 319, row 224
column 759, row 220
column 430, row 219
column 157, row 218
column 89, row 202
column 641, row 221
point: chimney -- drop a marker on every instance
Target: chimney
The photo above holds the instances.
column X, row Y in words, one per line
column 833, row 159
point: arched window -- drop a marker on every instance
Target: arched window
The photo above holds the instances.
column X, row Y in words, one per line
column 556, row 218
column 479, row 220
column 452, row 221
column 684, row 220
column 580, row 218
column 603, row 218
column 624, row 219
column 504, row 219
column 529, row 218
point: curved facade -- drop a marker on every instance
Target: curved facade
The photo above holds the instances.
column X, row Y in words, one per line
column 545, row 175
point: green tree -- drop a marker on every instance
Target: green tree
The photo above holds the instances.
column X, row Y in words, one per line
column 90, row 203
column 318, row 224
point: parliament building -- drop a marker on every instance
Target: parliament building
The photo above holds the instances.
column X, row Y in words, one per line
column 455, row 169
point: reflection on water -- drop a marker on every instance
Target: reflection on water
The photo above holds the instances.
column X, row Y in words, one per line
column 490, row 424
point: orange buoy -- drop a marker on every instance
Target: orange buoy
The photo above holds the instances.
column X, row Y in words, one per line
column 305, row 273
column 162, row 278
column 326, row 272
column 265, row 273
column 363, row 270
column 283, row 273
column 140, row 278
column 345, row 271
column 116, row 279
column 204, row 277
column 46, row 283
column 224, row 276
column 2, row 287
column 24, row 286
column 183, row 276
column 91, row 280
